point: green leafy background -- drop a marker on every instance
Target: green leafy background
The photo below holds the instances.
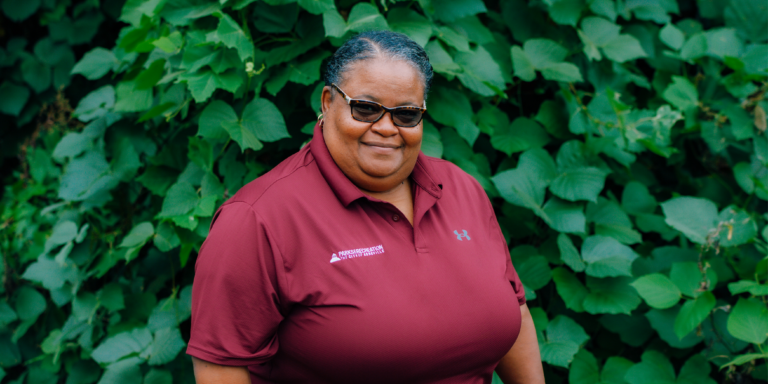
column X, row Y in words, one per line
column 623, row 144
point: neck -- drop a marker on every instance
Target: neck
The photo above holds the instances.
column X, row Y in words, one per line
column 396, row 193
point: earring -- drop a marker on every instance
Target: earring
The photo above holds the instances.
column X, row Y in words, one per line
column 319, row 117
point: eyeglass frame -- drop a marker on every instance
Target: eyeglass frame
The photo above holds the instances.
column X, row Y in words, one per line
column 350, row 101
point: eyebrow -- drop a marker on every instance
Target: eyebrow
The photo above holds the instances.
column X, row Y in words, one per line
column 376, row 99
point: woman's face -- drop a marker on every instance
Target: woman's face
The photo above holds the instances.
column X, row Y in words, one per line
column 376, row 156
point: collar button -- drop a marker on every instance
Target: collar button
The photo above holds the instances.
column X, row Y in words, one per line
column 395, row 217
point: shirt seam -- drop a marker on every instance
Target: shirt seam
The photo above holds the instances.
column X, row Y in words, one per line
column 267, row 188
column 280, row 266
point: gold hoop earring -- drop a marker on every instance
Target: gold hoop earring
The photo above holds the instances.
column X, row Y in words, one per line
column 319, row 117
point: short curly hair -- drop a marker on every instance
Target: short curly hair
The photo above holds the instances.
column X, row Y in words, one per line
column 371, row 44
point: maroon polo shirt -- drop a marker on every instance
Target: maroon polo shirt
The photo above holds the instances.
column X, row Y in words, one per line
column 305, row 279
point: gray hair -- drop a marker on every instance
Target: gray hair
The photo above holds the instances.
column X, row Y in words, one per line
column 372, row 44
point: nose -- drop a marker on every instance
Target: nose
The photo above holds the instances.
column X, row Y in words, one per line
column 385, row 126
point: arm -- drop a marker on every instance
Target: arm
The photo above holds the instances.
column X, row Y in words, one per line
column 522, row 364
column 210, row 373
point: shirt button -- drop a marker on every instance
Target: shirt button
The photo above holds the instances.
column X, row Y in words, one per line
column 395, row 218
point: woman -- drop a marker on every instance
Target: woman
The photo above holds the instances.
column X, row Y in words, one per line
column 359, row 259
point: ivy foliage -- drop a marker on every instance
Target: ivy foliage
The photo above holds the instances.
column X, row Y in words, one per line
column 623, row 144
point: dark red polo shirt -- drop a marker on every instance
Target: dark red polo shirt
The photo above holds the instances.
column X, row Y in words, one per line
column 305, row 279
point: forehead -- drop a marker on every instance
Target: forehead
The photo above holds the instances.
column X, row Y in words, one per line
column 383, row 78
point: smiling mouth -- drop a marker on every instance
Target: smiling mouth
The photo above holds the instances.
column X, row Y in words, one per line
column 387, row 146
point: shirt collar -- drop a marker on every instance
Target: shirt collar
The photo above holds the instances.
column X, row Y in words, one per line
column 346, row 191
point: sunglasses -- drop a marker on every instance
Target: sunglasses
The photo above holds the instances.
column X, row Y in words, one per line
column 370, row 111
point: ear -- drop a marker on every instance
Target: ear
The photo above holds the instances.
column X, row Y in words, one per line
column 325, row 100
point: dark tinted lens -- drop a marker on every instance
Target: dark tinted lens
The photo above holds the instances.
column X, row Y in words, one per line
column 407, row 117
column 366, row 112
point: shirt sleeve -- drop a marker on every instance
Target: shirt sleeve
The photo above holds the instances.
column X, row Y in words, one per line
column 236, row 304
column 511, row 273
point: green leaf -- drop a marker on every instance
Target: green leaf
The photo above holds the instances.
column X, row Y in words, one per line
column 186, row 12
column 546, row 56
column 36, row 74
column 452, row 108
column 740, row 14
column 624, row 48
column 171, row 43
column 122, row 344
column 20, row 10
column 158, row 376
column 597, row 32
column 579, row 183
column 29, row 303
column 521, row 135
column 636, row 200
column 566, row 216
column 615, row 369
column 165, row 346
column 658, row 291
column 752, row 287
column 524, row 68
column 127, row 371
column 211, row 119
column 584, row 369
column 569, row 253
column 204, row 82
column 681, row 93
column 111, row 297
column 747, row 321
column 525, row 185
column 230, row 33
column 654, row 368
column 662, row 320
column 570, row 289
column 50, row 273
column 610, row 295
column 558, row 353
column 431, row 143
column 85, row 177
column 695, row 371
column 138, row 235
column 739, row 227
column 688, row 277
column 534, row 272
column 95, row 64
column 452, row 10
column 278, row 18
column 365, row 17
column 746, row 358
column 335, row 25
column 694, row 217
column 317, row 7
column 693, row 313
column 566, row 12
column 672, row 36
column 605, row 257
column 130, row 98
column 12, row 98
column 632, row 329
column 96, row 104
column 149, row 77
column 563, row 329
column 480, row 73
column 181, row 199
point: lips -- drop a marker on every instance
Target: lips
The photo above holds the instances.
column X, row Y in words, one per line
column 382, row 145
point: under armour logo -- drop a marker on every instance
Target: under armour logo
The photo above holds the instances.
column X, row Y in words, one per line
column 458, row 236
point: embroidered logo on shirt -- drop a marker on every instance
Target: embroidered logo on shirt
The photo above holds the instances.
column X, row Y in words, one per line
column 458, row 236
column 358, row 252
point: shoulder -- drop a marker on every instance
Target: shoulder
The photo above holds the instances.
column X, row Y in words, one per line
column 455, row 179
column 291, row 176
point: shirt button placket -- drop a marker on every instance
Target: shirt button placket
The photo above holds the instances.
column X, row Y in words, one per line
column 395, row 217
